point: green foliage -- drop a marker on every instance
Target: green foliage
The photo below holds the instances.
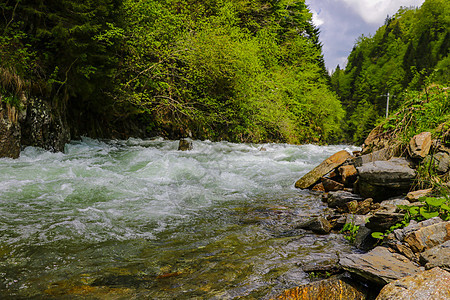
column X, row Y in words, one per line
column 408, row 52
column 421, row 111
column 350, row 230
column 239, row 70
column 432, row 207
column 229, row 70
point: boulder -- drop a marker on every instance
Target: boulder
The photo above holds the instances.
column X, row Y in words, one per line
column 384, row 179
column 379, row 266
column 414, row 196
column 427, row 285
column 340, row 198
column 348, row 174
column 185, row 145
column 382, row 221
column 364, row 207
column 428, row 237
column 321, row 170
column 318, row 225
column 9, row 131
column 400, row 234
column 337, row 287
column 437, row 257
column 319, row 187
column 420, row 145
column 391, row 205
column 331, row 185
column 356, row 220
column 364, row 239
column 379, row 155
column 441, row 162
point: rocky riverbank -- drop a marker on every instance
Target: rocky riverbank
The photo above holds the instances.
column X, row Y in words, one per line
column 402, row 231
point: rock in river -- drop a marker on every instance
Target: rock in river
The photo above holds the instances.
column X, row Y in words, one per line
column 321, row 170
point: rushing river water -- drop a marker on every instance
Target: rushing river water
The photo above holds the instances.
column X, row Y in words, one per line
column 139, row 219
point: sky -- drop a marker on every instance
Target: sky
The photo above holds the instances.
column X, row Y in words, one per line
column 341, row 22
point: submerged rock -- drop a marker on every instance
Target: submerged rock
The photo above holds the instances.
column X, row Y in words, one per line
column 321, row 170
column 379, row 266
column 431, row 284
column 185, row 145
column 337, row 287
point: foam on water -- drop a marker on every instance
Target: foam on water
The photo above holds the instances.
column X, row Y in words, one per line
column 112, row 191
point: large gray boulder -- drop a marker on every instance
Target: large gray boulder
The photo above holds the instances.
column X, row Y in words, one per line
column 379, row 265
column 432, row 284
column 384, row 179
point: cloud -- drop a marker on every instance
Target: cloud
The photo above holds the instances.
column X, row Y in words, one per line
column 341, row 22
column 375, row 11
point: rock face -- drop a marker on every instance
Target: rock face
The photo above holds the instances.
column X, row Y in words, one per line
column 383, row 179
column 44, row 126
column 379, row 265
column 432, row 284
column 437, row 257
column 420, row 145
column 9, row 131
column 338, row 287
column 321, row 170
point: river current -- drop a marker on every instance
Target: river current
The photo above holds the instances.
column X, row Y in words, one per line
column 139, row 219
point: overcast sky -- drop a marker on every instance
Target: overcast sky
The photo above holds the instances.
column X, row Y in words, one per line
column 341, row 22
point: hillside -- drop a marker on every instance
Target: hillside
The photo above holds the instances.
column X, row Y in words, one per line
column 409, row 52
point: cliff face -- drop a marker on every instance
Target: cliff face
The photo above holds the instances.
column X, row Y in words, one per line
column 37, row 124
column 9, row 131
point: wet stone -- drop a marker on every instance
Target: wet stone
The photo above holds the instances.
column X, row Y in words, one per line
column 337, row 287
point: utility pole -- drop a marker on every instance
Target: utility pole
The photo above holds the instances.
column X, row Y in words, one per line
column 387, row 105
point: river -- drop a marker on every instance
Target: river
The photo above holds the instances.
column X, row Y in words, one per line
column 139, row 219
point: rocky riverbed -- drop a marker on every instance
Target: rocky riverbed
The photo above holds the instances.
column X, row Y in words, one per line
column 374, row 197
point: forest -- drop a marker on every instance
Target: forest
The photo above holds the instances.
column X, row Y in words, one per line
column 408, row 53
column 237, row 70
